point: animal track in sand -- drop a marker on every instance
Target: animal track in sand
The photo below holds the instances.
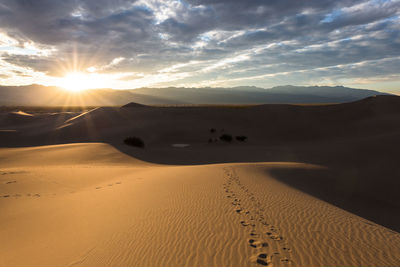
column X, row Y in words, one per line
column 11, row 182
column 251, row 214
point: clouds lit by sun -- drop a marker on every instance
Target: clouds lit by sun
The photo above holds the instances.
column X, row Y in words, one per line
column 128, row 44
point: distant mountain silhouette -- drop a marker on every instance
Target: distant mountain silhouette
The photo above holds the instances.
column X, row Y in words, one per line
column 38, row 95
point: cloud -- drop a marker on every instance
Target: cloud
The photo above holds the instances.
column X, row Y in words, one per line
column 216, row 41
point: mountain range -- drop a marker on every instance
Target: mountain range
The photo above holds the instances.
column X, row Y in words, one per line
column 39, row 95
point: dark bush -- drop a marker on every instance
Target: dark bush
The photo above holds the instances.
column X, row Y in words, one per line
column 226, row 137
column 241, row 138
column 212, row 130
column 210, row 140
column 134, row 141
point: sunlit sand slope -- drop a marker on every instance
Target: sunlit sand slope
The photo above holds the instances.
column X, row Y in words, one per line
column 90, row 205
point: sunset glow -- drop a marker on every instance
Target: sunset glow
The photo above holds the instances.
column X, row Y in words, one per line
column 77, row 81
column 133, row 44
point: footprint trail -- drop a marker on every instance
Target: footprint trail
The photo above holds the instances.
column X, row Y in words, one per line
column 270, row 248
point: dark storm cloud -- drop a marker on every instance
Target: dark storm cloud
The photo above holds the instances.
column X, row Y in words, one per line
column 226, row 37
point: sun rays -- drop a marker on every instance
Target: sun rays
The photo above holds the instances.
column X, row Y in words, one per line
column 76, row 82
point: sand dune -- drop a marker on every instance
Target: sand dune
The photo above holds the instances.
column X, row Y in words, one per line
column 90, row 205
column 312, row 186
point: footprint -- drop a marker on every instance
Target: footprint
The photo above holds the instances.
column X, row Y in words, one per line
column 99, row 187
column 118, row 183
column 257, row 244
column 6, row 196
column 262, row 259
column 254, row 234
column 286, row 260
column 11, row 182
column 236, row 203
column 110, row 184
column 36, row 195
column 244, row 223
column 276, row 237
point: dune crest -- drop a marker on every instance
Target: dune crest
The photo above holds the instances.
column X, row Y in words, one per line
column 94, row 206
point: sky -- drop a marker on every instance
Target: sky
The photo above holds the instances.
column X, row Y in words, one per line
column 125, row 44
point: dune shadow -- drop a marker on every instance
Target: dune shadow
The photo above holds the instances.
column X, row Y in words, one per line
column 348, row 190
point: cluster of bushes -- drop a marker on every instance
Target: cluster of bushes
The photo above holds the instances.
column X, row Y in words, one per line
column 134, row 141
column 226, row 137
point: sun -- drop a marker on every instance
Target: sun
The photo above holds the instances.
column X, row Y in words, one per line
column 77, row 82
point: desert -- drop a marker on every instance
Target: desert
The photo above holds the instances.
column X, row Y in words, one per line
column 199, row 133
column 73, row 194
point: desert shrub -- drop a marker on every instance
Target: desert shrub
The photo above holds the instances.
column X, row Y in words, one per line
column 212, row 130
column 134, row 141
column 226, row 137
column 210, row 140
column 241, row 138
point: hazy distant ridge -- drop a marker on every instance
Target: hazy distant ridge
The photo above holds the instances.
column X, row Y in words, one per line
column 39, row 95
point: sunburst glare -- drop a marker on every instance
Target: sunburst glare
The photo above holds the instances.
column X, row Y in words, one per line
column 77, row 81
